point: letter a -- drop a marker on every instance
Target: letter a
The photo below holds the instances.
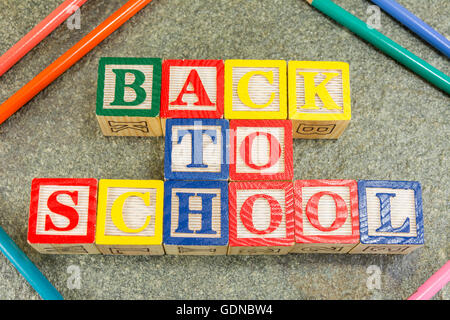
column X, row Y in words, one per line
column 199, row 91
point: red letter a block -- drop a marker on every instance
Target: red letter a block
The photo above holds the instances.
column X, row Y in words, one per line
column 326, row 216
column 261, row 150
column 192, row 89
column 63, row 215
column 261, row 217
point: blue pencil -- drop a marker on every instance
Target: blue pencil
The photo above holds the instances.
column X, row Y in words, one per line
column 416, row 25
column 24, row 265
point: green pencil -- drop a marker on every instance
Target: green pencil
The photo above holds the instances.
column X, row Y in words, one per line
column 389, row 47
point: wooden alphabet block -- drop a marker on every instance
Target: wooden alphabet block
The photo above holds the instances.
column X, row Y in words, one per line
column 261, row 218
column 390, row 217
column 319, row 98
column 192, row 89
column 196, row 217
column 197, row 149
column 255, row 89
column 128, row 96
column 261, row 150
column 130, row 217
column 326, row 216
column 62, row 216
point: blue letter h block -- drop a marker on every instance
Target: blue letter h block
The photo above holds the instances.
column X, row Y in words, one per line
column 196, row 213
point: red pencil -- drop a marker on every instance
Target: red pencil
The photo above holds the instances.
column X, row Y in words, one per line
column 68, row 59
column 38, row 33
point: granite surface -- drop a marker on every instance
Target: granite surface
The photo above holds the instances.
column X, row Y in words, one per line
column 399, row 131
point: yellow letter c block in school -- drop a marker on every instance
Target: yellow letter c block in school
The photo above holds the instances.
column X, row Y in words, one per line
column 130, row 217
column 117, row 207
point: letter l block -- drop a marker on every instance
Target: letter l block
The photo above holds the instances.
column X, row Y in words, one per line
column 390, row 217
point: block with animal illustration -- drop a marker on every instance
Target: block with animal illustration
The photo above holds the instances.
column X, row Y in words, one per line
column 390, row 217
column 326, row 216
column 196, row 217
column 130, row 217
column 261, row 217
column 319, row 98
column 128, row 96
column 63, row 215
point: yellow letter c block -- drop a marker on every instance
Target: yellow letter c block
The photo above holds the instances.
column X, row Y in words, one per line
column 243, row 89
column 255, row 89
column 117, row 209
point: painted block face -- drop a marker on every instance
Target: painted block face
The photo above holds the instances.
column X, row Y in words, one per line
column 326, row 216
column 255, row 89
column 130, row 217
column 192, row 89
column 62, row 216
column 197, row 149
column 391, row 217
column 196, row 217
column 261, row 217
column 319, row 98
column 128, row 96
column 261, row 150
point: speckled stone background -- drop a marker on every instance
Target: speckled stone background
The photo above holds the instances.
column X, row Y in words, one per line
column 399, row 131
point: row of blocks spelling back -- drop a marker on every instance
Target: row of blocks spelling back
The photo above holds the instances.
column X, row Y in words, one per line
column 135, row 96
column 151, row 217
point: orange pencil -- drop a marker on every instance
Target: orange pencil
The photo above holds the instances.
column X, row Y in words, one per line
column 38, row 33
column 68, row 59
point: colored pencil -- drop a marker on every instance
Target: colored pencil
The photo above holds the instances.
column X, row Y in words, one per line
column 432, row 286
column 380, row 41
column 37, row 34
column 415, row 24
column 29, row 271
column 68, row 59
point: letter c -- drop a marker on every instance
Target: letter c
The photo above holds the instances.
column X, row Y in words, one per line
column 242, row 89
column 117, row 208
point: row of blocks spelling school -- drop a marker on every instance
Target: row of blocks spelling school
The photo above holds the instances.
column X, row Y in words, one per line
column 136, row 95
column 151, row 217
column 229, row 190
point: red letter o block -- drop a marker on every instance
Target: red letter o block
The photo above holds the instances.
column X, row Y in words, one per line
column 246, row 214
column 312, row 208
